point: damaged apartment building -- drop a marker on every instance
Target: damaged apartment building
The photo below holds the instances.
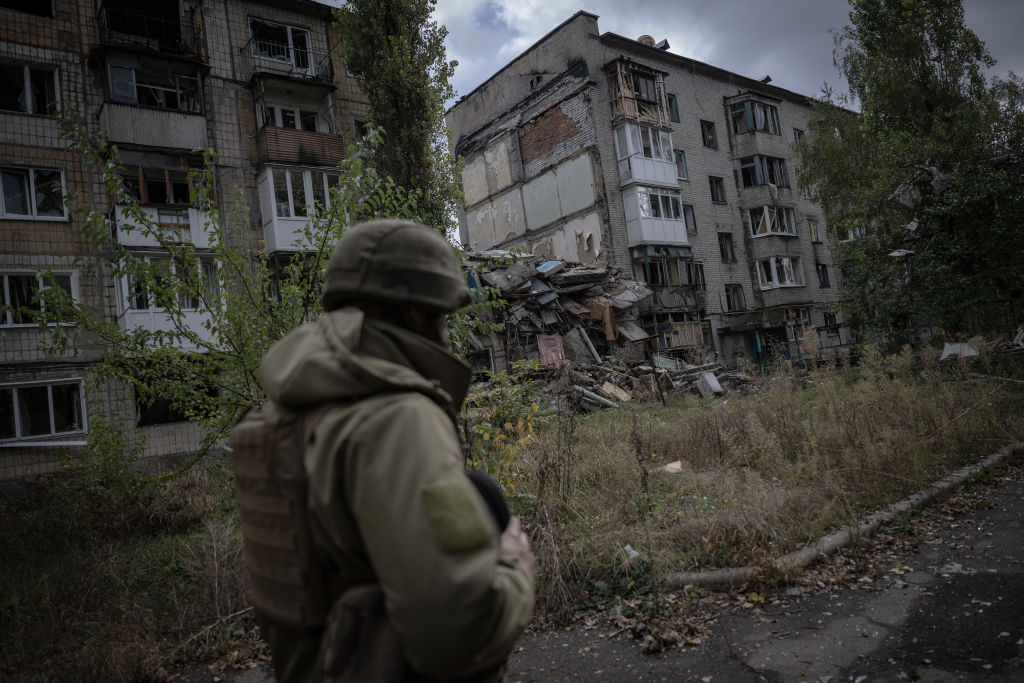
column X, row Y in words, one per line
column 595, row 149
column 258, row 81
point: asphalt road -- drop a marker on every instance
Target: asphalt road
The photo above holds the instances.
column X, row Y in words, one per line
column 951, row 610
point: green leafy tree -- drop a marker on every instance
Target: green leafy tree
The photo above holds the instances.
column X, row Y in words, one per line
column 222, row 306
column 397, row 54
column 927, row 179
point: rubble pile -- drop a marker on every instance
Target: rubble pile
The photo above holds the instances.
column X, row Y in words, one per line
column 578, row 321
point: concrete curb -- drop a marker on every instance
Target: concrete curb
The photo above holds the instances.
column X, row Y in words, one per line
column 718, row 579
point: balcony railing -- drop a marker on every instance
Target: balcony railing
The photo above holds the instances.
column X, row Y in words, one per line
column 172, row 35
column 290, row 146
column 282, row 59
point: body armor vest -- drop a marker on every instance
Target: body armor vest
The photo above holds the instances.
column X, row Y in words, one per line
column 286, row 577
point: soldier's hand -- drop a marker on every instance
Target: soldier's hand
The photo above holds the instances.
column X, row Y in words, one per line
column 514, row 543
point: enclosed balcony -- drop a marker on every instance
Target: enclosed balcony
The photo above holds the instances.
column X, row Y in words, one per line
column 161, row 28
column 285, row 51
column 645, row 155
column 654, row 216
column 306, row 147
column 176, row 223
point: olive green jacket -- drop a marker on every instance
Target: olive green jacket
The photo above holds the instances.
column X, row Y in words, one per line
column 388, row 498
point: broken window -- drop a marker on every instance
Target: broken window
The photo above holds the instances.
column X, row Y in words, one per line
column 24, row 293
column 812, row 230
column 28, row 89
column 726, row 247
column 673, row 108
column 283, row 116
column 798, row 135
column 40, row 8
column 161, row 180
column 682, row 173
column 153, row 85
column 717, row 189
column 360, row 128
column 780, row 271
column 33, row 193
column 822, row 270
column 760, row 170
column 689, row 218
column 734, row 298
column 831, row 323
column 637, row 92
column 751, row 116
column 41, row 409
column 695, row 275
column 279, row 42
column 707, row 134
column 769, row 220
column 663, row 266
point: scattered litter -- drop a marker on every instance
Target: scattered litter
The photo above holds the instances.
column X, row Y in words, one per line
column 630, row 553
column 961, row 350
column 674, row 467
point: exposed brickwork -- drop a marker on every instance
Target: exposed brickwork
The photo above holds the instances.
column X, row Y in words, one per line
column 550, row 130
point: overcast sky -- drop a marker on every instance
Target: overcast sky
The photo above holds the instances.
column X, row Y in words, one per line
column 788, row 39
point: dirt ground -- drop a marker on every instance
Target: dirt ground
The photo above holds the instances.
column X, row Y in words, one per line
column 936, row 598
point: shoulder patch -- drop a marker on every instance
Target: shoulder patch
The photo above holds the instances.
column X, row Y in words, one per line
column 455, row 517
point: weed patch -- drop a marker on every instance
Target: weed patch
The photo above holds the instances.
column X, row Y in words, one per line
column 757, row 477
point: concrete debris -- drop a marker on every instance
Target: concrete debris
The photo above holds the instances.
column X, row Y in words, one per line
column 962, row 350
column 674, row 467
column 588, row 326
column 708, row 384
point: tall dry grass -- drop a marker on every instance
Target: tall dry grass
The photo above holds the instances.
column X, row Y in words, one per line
column 103, row 581
column 760, row 475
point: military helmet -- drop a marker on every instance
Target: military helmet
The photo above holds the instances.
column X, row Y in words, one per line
column 395, row 261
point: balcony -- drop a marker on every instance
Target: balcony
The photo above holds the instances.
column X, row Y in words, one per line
column 274, row 58
column 638, row 93
column 182, row 223
column 164, row 34
column 160, row 321
column 290, row 146
column 152, row 127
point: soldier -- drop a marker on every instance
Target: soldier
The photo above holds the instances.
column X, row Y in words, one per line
column 420, row 582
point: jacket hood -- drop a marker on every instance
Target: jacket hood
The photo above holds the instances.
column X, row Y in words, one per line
column 347, row 356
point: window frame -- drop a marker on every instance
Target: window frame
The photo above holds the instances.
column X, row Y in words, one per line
column 7, row 313
column 32, row 198
column 812, row 230
column 673, row 107
column 208, row 266
column 735, row 300
column 680, row 156
column 708, row 136
column 771, row 272
column 16, row 412
column 290, row 45
column 135, row 100
column 717, row 185
column 824, row 282
column 755, row 116
column 308, row 188
column 276, row 111
column 27, row 68
column 727, row 247
column 781, row 221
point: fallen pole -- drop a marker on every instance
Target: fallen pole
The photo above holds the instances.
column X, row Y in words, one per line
column 799, row 559
column 591, row 396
